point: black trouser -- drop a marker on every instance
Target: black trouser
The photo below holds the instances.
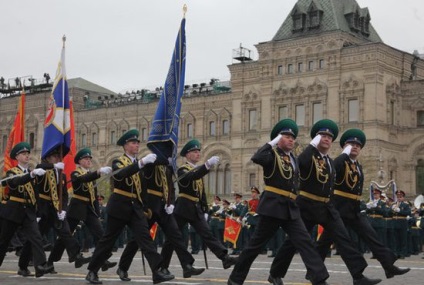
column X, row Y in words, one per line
column 330, row 220
column 93, row 224
column 34, row 239
column 172, row 234
column 202, row 228
column 63, row 232
column 266, row 228
column 141, row 234
column 363, row 228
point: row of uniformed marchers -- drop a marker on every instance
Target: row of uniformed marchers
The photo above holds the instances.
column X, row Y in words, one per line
column 310, row 190
column 143, row 193
column 299, row 193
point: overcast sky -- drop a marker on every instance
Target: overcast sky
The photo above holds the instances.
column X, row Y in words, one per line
column 127, row 44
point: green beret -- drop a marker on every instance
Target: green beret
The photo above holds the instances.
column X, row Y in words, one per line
column 325, row 126
column 191, row 145
column 286, row 126
column 85, row 152
column 131, row 135
column 18, row 148
column 353, row 135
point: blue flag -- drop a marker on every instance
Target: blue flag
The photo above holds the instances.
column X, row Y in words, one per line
column 57, row 123
column 163, row 138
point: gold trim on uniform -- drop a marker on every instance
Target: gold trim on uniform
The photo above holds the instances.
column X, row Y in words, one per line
column 189, row 197
column 314, row 197
column 88, row 185
column 27, row 187
column 134, row 180
column 124, row 193
column 347, row 195
column 280, row 192
column 154, row 192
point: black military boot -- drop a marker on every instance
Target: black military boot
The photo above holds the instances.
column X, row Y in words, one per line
column 81, row 260
column 93, row 278
column 393, row 270
column 229, row 261
column 40, row 270
column 108, row 265
column 24, row 272
column 363, row 280
column 275, row 280
column 189, row 271
column 159, row 277
column 123, row 275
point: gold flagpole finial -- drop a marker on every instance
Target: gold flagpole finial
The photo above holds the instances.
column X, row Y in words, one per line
column 63, row 40
column 184, row 10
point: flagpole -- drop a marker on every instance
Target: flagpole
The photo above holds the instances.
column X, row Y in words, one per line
column 60, row 186
column 184, row 10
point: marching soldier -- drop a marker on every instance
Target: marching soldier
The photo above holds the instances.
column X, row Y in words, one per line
column 238, row 211
column 214, row 214
column 52, row 210
column 19, row 210
column 157, row 180
column 316, row 178
column 377, row 212
column 191, row 206
column 252, row 216
column 401, row 210
column 126, row 207
column 277, row 207
column 347, row 194
column 84, row 206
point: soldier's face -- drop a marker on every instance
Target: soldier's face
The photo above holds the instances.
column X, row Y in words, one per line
column 356, row 149
column 193, row 156
column 132, row 147
column 325, row 143
column 53, row 158
column 23, row 157
column 86, row 162
column 286, row 142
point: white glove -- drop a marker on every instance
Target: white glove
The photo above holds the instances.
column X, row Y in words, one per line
column 397, row 209
column 315, row 141
column 62, row 215
column 275, row 140
column 59, row 165
column 347, row 149
column 363, row 212
column 212, row 161
column 233, row 206
column 38, row 219
column 169, row 209
column 38, row 172
column 370, row 205
column 408, row 218
column 105, row 170
column 150, row 158
column 206, row 217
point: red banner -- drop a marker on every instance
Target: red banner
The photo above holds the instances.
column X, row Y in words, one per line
column 68, row 160
column 232, row 231
column 153, row 230
column 16, row 135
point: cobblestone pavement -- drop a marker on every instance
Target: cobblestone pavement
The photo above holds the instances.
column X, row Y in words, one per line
column 68, row 275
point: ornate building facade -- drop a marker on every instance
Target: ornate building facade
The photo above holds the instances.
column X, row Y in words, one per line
column 325, row 61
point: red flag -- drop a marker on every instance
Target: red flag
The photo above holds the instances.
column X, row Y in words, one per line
column 232, row 231
column 320, row 230
column 68, row 160
column 153, row 230
column 16, row 135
